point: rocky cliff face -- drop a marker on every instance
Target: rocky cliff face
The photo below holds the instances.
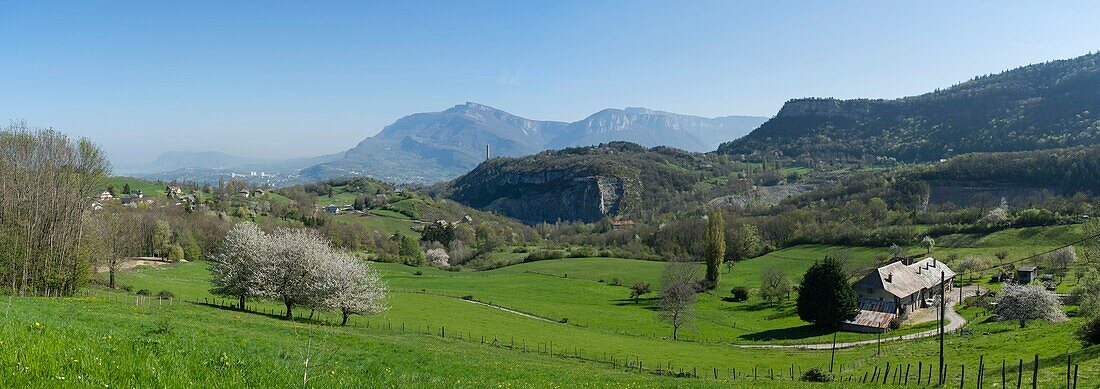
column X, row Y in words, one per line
column 587, row 198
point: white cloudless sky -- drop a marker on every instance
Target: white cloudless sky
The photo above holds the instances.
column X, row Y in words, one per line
column 288, row 79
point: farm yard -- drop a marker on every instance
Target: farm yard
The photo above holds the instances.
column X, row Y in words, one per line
column 568, row 322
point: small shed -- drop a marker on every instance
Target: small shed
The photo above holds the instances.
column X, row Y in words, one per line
column 1027, row 273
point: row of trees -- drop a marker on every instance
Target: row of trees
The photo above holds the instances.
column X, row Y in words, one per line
column 296, row 267
column 46, row 182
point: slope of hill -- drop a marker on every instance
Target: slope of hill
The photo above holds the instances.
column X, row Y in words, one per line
column 1040, row 106
column 584, row 183
column 437, row 146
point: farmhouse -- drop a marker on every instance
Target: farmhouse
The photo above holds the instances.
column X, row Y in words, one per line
column 173, row 190
column 106, row 196
column 332, row 208
column 895, row 290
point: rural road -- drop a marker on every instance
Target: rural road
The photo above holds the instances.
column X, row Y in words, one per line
column 954, row 319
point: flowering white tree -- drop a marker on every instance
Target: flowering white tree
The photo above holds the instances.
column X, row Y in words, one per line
column 234, row 267
column 298, row 268
column 352, row 287
column 438, row 257
column 1028, row 302
column 293, row 272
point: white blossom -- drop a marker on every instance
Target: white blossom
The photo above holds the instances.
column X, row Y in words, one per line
column 1024, row 303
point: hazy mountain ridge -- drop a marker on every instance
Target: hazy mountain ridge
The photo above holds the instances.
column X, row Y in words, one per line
column 438, row 146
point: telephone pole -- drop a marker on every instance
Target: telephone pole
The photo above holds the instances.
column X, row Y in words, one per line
column 943, row 306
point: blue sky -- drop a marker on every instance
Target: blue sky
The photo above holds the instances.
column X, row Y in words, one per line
column 285, row 79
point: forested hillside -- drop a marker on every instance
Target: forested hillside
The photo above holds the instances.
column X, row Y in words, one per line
column 618, row 179
column 1042, row 106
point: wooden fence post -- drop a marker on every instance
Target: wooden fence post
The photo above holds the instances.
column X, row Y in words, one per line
column 1069, row 361
column 907, row 366
column 886, row 373
column 962, row 375
column 920, row 370
column 981, row 369
column 1035, row 373
column 1020, row 374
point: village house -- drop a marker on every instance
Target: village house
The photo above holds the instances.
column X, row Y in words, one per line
column 332, row 208
column 895, row 290
column 106, row 196
column 244, row 193
column 173, row 190
column 259, row 193
column 137, row 193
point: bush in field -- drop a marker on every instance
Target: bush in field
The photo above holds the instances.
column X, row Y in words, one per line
column 1025, row 303
column 815, row 375
column 638, row 290
column 165, row 295
column 739, row 293
column 542, row 255
column 142, row 292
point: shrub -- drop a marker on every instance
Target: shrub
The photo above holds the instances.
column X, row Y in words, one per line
column 739, row 293
column 617, row 281
column 126, row 288
column 143, row 292
column 815, row 375
column 542, row 255
column 1089, row 333
column 519, row 250
column 468, row 297
column 165, row 295
column 418, row 273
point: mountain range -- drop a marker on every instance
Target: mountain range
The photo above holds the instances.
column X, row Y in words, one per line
column 438, row 146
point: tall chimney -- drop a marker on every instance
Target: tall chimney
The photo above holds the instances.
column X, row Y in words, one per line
column 487, row 151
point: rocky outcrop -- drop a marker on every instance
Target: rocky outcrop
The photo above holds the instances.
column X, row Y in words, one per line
column 848, row 109
column 586, row 199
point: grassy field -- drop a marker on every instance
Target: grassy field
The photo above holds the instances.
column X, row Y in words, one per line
column 147, row 187
column 186, row 344
column 432, row 337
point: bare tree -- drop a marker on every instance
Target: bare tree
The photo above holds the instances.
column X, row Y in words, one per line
column 679, row 281
column 774, row 284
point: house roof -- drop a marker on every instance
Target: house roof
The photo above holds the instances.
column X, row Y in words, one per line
column 1027, row 268
column 930, row 270
column 873, row 319
column 903, row 280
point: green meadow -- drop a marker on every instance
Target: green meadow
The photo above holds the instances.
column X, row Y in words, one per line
column 549, row 323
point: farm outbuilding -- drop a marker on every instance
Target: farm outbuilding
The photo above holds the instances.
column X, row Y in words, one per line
column 1025, row 274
